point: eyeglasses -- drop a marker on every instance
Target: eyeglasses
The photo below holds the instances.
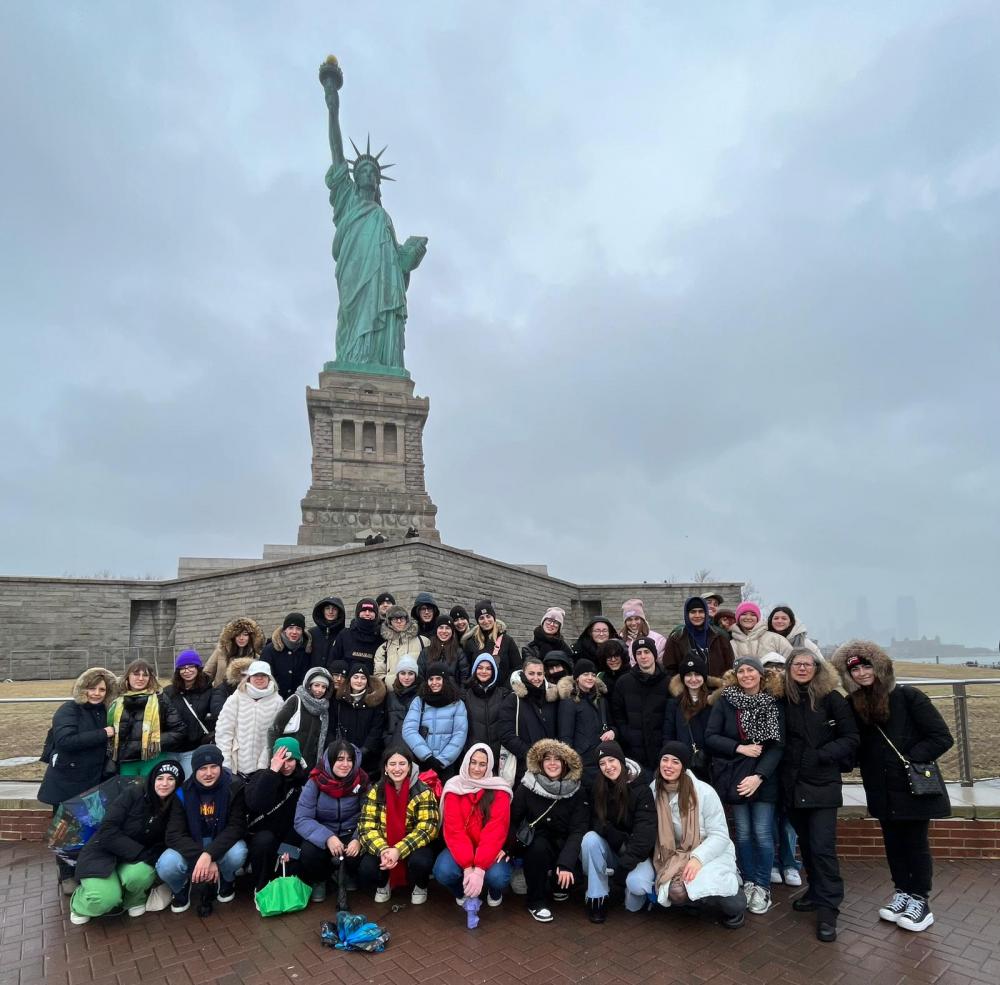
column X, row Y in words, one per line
column 803, row 666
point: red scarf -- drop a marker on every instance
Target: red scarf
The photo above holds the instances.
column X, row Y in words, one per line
column 396, row 802
column 333, row 786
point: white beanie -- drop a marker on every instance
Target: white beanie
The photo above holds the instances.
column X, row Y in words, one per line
column 259, row 667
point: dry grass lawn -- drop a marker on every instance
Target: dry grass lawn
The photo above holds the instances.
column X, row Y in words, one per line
column 23, row 726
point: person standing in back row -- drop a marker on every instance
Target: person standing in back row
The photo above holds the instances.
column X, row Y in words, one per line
column 328, row 623
column 289, row 654
column 357, row 644
column 638, row 705
column 636, row 627
column 491, row 636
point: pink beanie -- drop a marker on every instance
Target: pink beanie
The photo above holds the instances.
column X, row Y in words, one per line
column 555, row 613
column 633, row 607
column 748, row 607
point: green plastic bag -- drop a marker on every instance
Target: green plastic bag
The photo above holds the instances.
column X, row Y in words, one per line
column 286, row 894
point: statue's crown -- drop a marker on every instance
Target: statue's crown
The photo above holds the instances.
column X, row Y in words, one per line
column 368, row 158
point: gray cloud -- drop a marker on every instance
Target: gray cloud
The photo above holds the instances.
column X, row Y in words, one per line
column 702, row 291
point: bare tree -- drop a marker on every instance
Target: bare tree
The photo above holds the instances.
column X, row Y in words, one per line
column 702, row 576
column 749, row 593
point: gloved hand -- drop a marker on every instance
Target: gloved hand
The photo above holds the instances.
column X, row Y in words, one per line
column 472, row 882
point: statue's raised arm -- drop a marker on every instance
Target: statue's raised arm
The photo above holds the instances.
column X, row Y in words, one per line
column 332, row 78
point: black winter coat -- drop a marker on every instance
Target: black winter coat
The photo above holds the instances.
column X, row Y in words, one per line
column 919, row 732
column 79, row 752
column 206, row 703
column 357, row 644
column 483, row 708
column 180, row 839
column 632, row 838
column 507, row 660
column 526, row 717
column 677, row 728
column 133, row 830
column 288, row 667
column 360, row 722
column 172, row 729
column 722, row 736
column 819, row 745
column 397, row 704
column 637, row 708
column 271, row 800
column 325, row 634
column 581, row 720
column 542, row 644
column 564, row 826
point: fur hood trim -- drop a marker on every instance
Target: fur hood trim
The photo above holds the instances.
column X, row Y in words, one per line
column 227, row 638
column 279, row 644
column 676, row 685
column 474, row 632
column 89, row 678
column 518, row 687
column 566, row 688
column 545, row 746
column 880, row 660
column 374, row 693
column 409, row 632
column 826, row 679
column 772, row 683
column 235, row 669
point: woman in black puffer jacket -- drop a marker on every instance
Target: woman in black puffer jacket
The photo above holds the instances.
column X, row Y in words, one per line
column 584, row 720
column 197, row 703
column 146, row 724
column 484, row 698
column 896, row 721
column 821, row 740
column 117, row 866
column 622, row 831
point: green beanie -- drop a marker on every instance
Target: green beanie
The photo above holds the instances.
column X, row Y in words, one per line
column 290, row 743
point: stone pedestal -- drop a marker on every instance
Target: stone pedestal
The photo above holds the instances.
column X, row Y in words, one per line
column 368, row 460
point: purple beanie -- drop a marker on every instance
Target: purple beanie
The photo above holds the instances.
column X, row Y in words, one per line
column 187, row 658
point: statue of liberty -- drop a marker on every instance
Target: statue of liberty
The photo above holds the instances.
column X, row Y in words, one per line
column 373, row 270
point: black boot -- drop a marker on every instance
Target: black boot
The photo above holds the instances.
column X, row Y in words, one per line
column 597, row 909
column 826, row 925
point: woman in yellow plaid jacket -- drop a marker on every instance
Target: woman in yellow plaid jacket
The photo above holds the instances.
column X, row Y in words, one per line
column 400, row 818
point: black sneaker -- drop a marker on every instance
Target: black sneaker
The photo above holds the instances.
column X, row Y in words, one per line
column 734, row 922
column 227, row 890
column 895, row 908
column 179, row 902
column 917, row 916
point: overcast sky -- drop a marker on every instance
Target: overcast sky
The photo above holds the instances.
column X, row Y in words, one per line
column 708, row 285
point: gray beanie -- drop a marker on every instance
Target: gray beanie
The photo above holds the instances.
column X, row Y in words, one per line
column 407, row 663
column 749, row 662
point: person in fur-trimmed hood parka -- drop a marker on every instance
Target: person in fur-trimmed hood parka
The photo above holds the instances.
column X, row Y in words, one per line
column 401, row 640
column 529, row 713
column 746, row 737
column 896, row 723
column 584, row 718
column 240, row 638
column 687, row 712
column 289, row 654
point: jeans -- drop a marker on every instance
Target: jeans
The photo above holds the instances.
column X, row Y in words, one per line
column 908, row 852
column 597, row 857
column 450, row 874
column 127, row 886
column 642, row 880
column 174, row 871
column 786, row 839
column 754, row 838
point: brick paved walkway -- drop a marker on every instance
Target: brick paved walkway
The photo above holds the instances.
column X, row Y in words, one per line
column 431, row 946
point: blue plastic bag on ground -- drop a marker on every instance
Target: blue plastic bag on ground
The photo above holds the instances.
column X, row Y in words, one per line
column 353, row 932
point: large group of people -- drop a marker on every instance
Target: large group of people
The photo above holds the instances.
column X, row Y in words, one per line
column 684, row 768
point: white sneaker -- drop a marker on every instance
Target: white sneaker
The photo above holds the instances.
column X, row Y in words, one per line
column 518, row 884
column 418, row 896
column 748, row 888
column 492, row 900
column 792, row 877
column 760, row 900
column 460, row 901
column 137, row 911
column 158, row 899
column 542, row 914
column 78, row 919
column 383, row 894
column 895, row 908
column 775, row 875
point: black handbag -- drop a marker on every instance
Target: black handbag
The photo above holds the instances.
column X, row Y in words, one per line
column 526, row 829
column 923, row 779
column 699, row 759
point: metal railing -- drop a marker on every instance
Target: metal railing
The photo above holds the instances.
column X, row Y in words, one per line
column 72, row 661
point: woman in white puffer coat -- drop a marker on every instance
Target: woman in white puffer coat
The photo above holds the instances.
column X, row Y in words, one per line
column 783, row 622
column 752, row 638
column 241, row 728
column 694, row 860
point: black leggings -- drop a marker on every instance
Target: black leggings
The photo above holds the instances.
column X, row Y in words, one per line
column 316, row 865
column 908, row 852
column 539, row 860
column 418, row 869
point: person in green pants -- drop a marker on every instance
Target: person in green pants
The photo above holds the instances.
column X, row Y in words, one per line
column 116, row 867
